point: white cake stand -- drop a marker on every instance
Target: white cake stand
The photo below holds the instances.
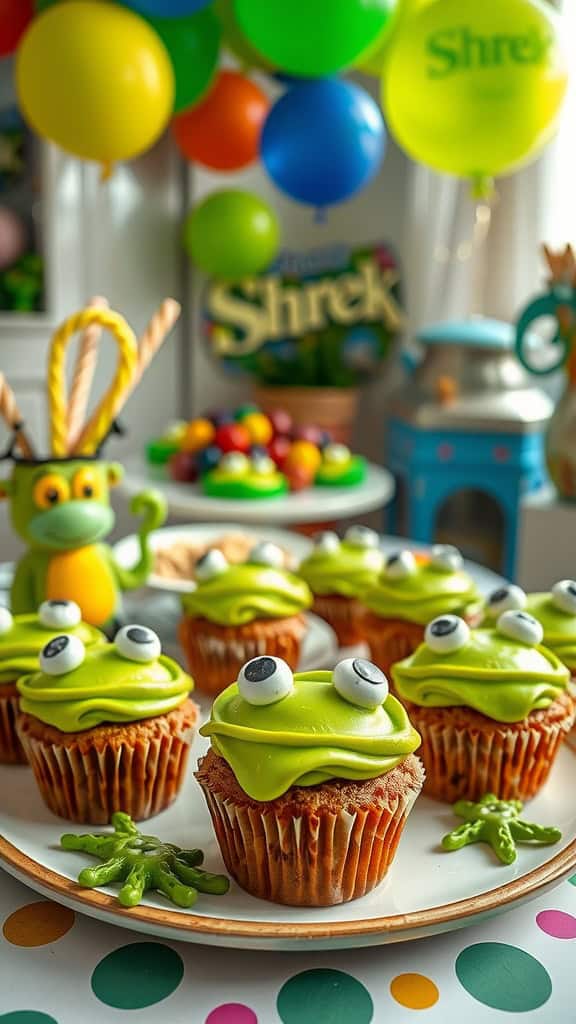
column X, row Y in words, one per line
column 314, row 505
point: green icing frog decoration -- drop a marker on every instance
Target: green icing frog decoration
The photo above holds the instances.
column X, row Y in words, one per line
column 142, row 863
column 498, row 823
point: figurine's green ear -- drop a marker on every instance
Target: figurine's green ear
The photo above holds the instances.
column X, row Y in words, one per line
column 115, row 473
column 5, row 489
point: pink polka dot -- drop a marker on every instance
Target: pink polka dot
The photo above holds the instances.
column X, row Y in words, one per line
column 557, row 924
column 232, row 1013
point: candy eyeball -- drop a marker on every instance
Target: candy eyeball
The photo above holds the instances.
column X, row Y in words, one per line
column 6, row 621
column 212, row 563
column 505, row 599
column 59, row 614
column 265, row 680
column 362, row 537
column 446, row 558
column 62, row 654
column 267, row 553
column 360, row 682
column 138, row 643
column 336, row 454
column 520, row 626
column 564, row 596
column 327, row 541
column 235, row 463
column 400, row 564
column 446, row 634
column 263, row 465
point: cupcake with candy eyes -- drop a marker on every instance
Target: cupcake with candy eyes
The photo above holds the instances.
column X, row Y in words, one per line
column 492, row 706
column 338, row 572
column 106, row 728
column 410, row 592
column 241, row 610
column 309, row 780
column 555, row 611
column 22, row 637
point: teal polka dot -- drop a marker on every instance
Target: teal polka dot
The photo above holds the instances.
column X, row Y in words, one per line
column 137, row 975
column 503, row 977
column 26, row 1017
column 324, row 997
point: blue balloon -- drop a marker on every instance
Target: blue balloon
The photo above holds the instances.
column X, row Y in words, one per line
column 165, row 8
column 323, row 141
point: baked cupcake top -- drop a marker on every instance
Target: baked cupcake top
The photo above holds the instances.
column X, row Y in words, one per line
column 347, row 567
column 418, row 589
column 504, row 672
column 22, row 637
column 278, row 730
column 260, row 588
column 78, row 688
column 556, row 611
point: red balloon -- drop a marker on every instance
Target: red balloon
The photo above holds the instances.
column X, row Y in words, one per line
column 14, row 18
column 223, row 130
column 232, row 437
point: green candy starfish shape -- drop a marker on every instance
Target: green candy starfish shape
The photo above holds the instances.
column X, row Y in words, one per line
column 498, row 823
column 143, row 862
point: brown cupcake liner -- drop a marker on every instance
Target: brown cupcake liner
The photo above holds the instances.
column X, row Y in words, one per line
column 215, row 654
column 137, row 768
column 390, row 640
column 308, row 855
column 11, row 750
column 467, row 755
column 343, row 614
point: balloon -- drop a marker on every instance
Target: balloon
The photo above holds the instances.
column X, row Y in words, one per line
column 166, row 8
column 12, row 237
column 223, row 131
column 193, row 44
column 235, row 40
column 323, row 140
column 232, row 234
column 14, row 17
column 475, row 89
column 312, row 37
column 96, row 80
column 371, row 61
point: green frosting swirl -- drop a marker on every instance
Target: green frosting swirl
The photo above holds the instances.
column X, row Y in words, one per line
column 348, row 571
column 309, row 737
column 21, row 645
column 559, row 628
column 105, row 688
column 501, row 678
column 246, row 592
column 423, row 595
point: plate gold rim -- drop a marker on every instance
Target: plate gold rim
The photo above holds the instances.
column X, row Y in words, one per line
column 557, row 868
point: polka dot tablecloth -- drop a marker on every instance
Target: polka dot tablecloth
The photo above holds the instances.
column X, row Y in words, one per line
column 57, row 967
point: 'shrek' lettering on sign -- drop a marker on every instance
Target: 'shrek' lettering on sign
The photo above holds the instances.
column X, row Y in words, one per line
column 266, row 309
column 460, row 49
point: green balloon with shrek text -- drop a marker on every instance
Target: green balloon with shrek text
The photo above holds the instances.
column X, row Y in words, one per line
column 232, row 234
column 475, row 89
column 61, row 509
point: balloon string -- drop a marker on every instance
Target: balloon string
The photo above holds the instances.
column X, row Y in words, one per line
column 320, row 215
column 466, row 247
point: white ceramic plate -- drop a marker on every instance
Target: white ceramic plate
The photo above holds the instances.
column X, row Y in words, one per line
column 127, row 550
column 427, row 891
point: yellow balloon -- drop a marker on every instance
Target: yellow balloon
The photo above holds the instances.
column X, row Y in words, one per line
column 474, row 88
column 96, row 80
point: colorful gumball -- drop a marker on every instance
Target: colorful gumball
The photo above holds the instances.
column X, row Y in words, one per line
column 281, row 421
column 278, row 449
column 309, row 432
column 197, row 435
column 219, row 416
column 259, row 427
column 14, row 17
column 299, row 477
column 208, row 459
column 245, row 410
column 303, row 455
column 233, row 437
column 183, row 467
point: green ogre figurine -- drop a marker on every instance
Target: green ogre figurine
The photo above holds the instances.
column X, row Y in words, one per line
column 61, row 509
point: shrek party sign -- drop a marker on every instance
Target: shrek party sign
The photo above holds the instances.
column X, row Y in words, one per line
column 326, row 316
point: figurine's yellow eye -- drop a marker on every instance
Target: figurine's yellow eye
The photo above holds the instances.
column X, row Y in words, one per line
column 51, row 490
column 87, row 485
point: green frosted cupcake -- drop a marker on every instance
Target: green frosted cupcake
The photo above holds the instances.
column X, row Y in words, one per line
column 556, row 611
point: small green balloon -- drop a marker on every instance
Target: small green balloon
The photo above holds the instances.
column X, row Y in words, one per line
column 235, row 41
column 312, row 37
column 193, row 44
column 232, row 234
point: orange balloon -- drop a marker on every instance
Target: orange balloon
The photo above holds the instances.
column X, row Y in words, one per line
column 223, row 130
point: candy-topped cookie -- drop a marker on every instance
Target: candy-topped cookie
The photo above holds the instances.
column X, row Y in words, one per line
column 238, row 476
column 239, row 610
column 492, row 706
column 411, row 590
column 309, row 779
